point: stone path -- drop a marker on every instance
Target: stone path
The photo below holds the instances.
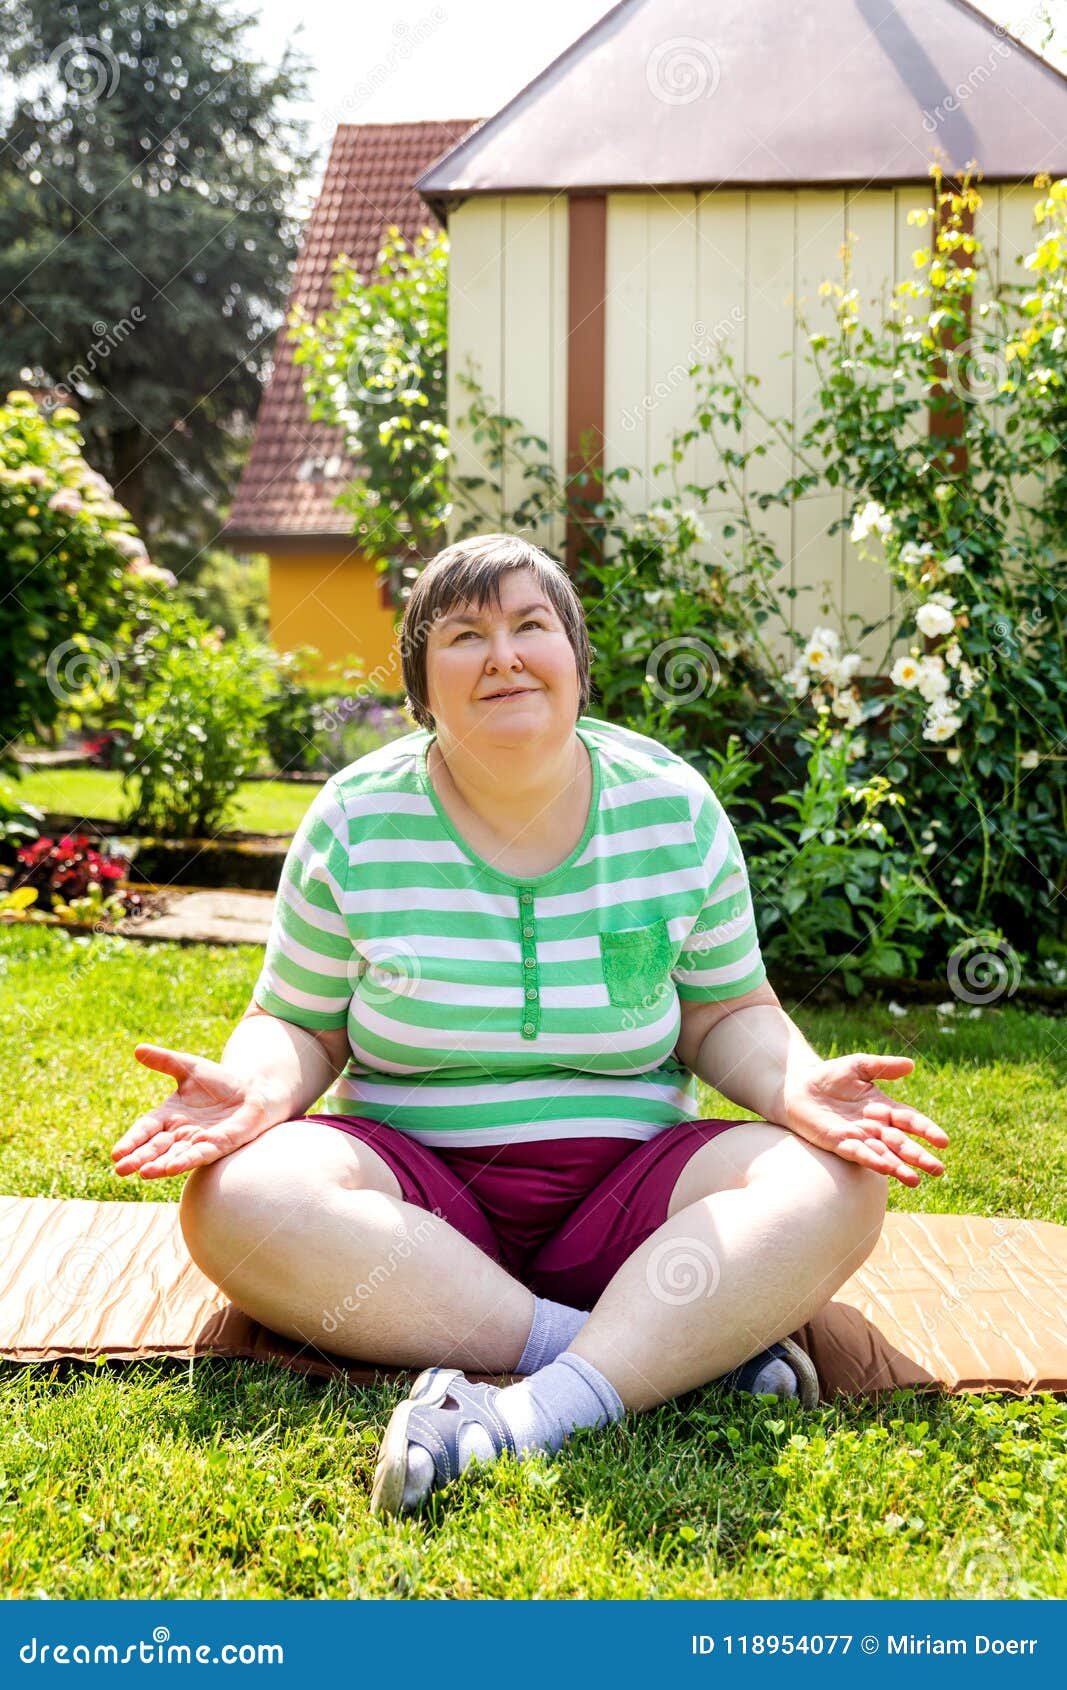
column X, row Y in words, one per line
column 215, row 918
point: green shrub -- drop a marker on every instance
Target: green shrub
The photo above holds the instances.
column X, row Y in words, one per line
column 230, row 592
column 194, row 707
column 833, row 890
column 289, row 725
column 67, row 550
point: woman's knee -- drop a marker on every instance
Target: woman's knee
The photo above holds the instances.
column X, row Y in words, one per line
column 839, row 1193
column 849, row 1200
column 268, row 1187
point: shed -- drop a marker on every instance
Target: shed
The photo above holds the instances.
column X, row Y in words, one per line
column 686, row 173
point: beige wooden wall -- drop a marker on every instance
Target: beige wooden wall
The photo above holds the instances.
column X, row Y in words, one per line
column 507, row 312
column 686, row 273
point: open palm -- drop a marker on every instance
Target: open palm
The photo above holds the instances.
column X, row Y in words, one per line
column 839, row 1107
column 211, row 1113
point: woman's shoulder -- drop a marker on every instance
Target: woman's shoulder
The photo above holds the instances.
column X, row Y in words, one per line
column 631, row 756
column 392, row 768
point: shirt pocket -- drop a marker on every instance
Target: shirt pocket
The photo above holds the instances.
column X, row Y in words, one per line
column 635, row 962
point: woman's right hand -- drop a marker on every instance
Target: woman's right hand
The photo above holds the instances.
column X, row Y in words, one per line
column 211, row 1113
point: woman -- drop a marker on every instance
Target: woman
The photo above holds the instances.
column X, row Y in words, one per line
column 521, row 933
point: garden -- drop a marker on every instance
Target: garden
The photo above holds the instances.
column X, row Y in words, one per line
column 903, row 831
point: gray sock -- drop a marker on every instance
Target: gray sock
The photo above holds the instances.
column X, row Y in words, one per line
column 776, row 1377
column 539, row 1412
column 568, row 1393
column 555, row 1326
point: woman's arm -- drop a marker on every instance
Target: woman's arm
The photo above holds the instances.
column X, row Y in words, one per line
column 287, row 1067
column 271, row 1071
column 750, row 1050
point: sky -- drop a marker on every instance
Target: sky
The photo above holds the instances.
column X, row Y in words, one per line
column 400, row 60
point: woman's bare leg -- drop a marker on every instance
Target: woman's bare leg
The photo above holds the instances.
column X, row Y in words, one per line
column 305, row 1229
column 762, row 1229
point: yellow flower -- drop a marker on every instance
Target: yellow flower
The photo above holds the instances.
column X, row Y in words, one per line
column 31, row 510
column 19, row 396
column 64, row 413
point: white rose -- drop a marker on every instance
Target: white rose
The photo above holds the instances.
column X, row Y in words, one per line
column 905, row 672
column 934, row 619
column 932, row 682
column 872, row 518
column 820, row 653
column 1029, row 760
column 847, row 706
column 941, row 727
column 953, row 565
column 968, row 679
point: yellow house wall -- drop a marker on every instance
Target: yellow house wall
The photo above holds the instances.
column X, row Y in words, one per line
column 333, row 604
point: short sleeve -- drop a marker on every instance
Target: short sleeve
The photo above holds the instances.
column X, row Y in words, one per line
column 720, row 957
column 308, row 970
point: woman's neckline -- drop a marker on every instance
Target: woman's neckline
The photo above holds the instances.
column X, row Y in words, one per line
column 487, row 867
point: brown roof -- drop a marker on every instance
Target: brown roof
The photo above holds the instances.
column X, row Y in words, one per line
column 764, row 93
column 296, row 467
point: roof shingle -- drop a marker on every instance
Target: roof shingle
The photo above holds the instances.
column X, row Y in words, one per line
column 297, row 467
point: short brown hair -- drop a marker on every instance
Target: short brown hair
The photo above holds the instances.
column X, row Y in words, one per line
column 469, row 572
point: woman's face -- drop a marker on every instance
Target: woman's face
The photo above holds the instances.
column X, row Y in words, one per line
column 519, row 646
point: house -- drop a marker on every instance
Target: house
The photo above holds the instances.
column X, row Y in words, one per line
column 323, row 592
column 680, row 178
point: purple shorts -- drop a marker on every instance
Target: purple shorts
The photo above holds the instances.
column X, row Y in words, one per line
column 560, row 1215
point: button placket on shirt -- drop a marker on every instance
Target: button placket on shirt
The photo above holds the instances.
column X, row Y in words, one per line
column 531, row 988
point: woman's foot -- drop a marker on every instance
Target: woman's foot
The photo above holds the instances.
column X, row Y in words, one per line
column 783, row 1370
column 448, row 1421
column 422, row 1449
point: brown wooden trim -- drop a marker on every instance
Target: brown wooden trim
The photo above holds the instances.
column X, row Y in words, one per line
column 587, row 217
column 950, row 423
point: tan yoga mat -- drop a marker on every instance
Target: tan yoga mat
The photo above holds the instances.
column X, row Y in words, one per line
column 943, row 1302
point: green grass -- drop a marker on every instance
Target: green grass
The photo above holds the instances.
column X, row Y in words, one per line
column 240, row 1479
column 267, row 806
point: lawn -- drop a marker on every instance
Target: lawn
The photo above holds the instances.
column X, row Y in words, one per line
column 242, row 1480
column 260, row 806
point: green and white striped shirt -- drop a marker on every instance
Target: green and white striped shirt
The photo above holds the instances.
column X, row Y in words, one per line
column 487, row 1008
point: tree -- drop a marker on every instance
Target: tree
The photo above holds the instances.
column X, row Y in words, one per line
column 147, row 181
column 375, row 367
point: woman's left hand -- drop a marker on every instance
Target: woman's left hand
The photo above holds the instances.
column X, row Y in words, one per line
column 838, row 1107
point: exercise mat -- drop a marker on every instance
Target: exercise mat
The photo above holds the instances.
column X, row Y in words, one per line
column 943, row 1302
